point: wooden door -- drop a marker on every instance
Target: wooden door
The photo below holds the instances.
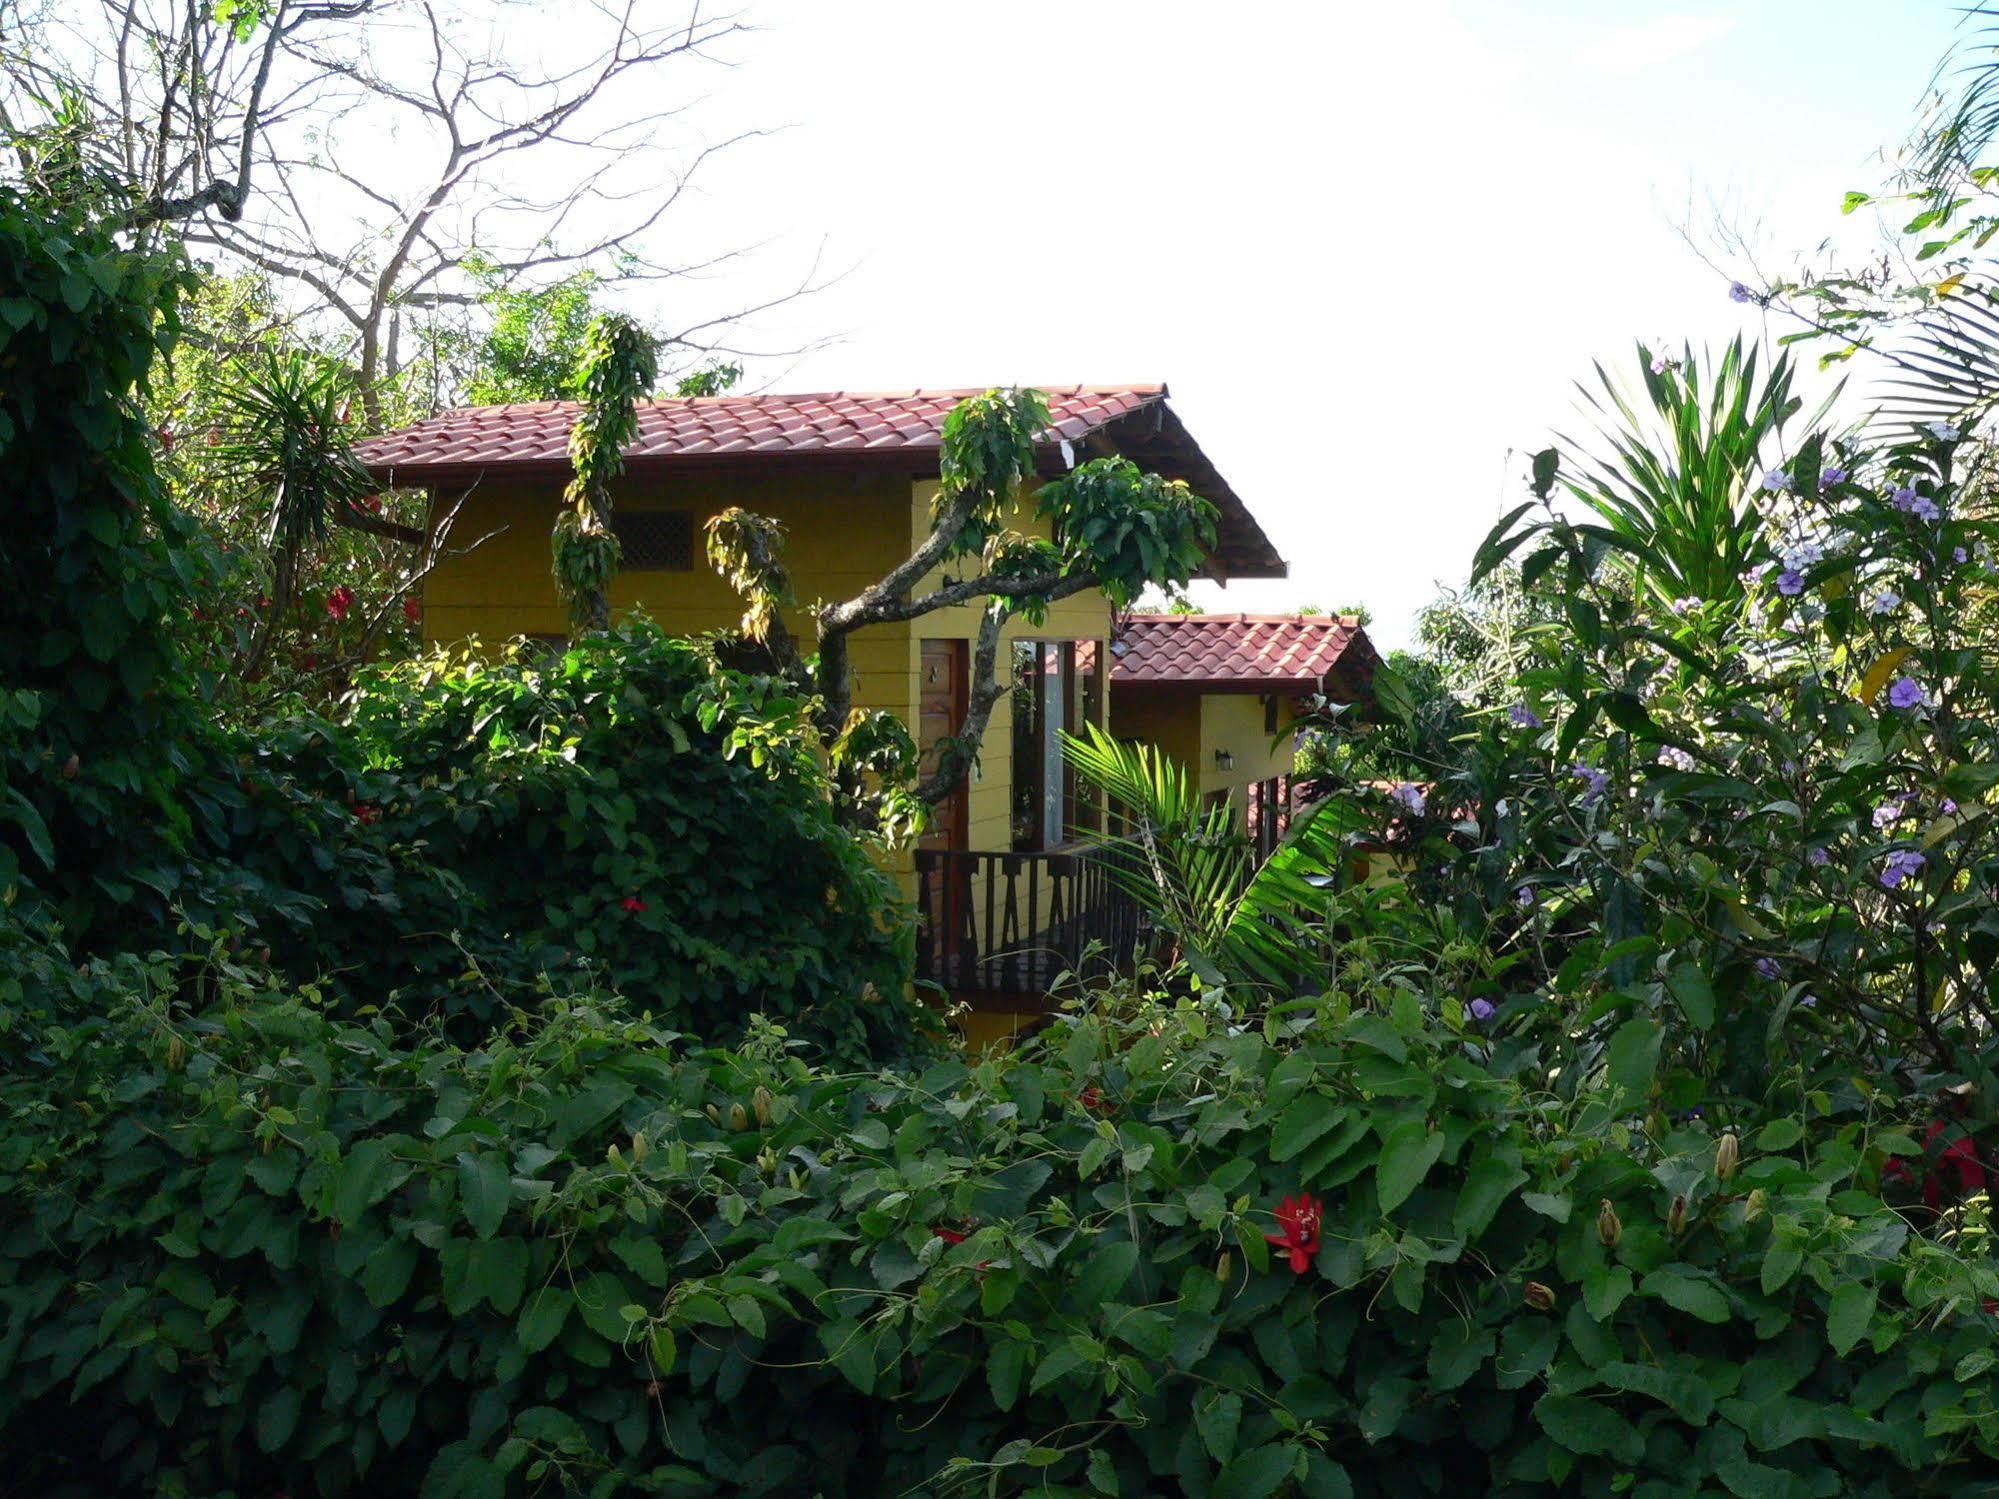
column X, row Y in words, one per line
column 944, row 696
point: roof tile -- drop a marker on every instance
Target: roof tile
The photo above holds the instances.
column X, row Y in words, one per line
column 1234, row 650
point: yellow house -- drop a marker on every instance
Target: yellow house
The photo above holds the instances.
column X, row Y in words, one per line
column 1006, row 899
column 1221, row 692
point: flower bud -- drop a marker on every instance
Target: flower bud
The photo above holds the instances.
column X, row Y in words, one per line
column 70, row 768
column 763, row 1103
column 1676, row 1216
column 739, row 1118
column 1609, row 1227
column 639, row 1147
column 1540, row 1297
column 1752, row 1209
column 1224, row 1267
column 1726, row 1157
column 714, row 1114
column 614, row 1156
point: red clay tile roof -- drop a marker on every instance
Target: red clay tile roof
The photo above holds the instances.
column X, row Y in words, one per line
column 1242, row 652
column 532, row 439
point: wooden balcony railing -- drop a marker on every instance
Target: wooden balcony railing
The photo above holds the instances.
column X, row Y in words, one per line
column 998, row 929
column 1267, row 813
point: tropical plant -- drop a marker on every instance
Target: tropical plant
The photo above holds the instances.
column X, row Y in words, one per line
column 1329, row 1250
column 1235, row 921
column 1676, row 481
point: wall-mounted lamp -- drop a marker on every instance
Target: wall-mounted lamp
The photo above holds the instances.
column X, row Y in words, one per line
column 1224, row 760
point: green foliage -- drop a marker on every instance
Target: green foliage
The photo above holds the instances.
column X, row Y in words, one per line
column 1236, row 922
column 251, row 1246
column 624, row 813
column 620, row 364
column 1676, row 487
column 94, row 561
column 1127, row 528
column 532, row 349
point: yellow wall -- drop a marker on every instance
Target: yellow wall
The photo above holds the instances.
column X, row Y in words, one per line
column 843, row 532
column 1192, row 726
column 1084, row 616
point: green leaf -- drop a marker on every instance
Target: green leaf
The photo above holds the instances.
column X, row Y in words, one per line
column 387, row 1274
column 484, row 1185
column 1781, row 1261
column 1588, row 1426
column 277, row 1417
column 1006, row 1362
column 1387, row 1401
column 1690, row 1396
column 1309, row 1117
column 1632, row 1057
column 1693, row 1295
column 1689, row 986
column 1257, row 1474
column 542, row 1320
column 1604, row 1290
column 1847, row 1318
column 369, row 1174
column 1488, row 1184
column 1104, row 1276
column 1217, row 1418
column 1407, row 1154
column 1457, row 1352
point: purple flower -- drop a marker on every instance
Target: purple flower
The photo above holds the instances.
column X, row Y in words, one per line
column 1524, row 896
column 1906, row 692
column 1686, row 605
column 1678, row 759
column 1481, row 1009
column 1774, row 479
column 1887, row 601
column 1903, row 496
column 1831, row 477
column 1661, row 364
column 1959, row 554
column 1819, row 856
column 1947, row 807
column 1924, row 508
column 1891, row 812
column 1409, row 797
column 1899, row 865
column 1767, row 968
column 1790, row 582
column 1944, row 432
column 1740, row 293
column 1808, row 1002
column 1523, row 717
column 1594, row 781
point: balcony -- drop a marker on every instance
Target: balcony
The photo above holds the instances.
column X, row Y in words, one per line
column 996, row 930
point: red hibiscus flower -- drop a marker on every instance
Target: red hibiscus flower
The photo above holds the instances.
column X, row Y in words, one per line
column 948, row 1235
column 633, row 904
column 1092, row 1098
column 412, row 610
column 1298, row 1225
column 166, row 437
column 365, row 814
column 340, row 601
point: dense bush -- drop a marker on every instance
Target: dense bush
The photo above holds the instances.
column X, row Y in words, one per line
column 250, row 1248
column 623, row 812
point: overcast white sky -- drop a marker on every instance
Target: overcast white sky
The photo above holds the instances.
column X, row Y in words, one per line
column 1369, row 247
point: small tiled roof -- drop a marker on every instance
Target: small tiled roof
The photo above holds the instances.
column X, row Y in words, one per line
column 1279, row 653
column 904, row 427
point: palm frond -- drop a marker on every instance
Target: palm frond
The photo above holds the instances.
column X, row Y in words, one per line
column 1196, row 874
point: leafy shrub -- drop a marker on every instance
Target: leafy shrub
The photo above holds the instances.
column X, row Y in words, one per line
column 93, row 560
column 252, row 1247
column 621, row 813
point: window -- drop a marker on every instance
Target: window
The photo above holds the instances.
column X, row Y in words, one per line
column 1057, row 687
column 660, row 541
